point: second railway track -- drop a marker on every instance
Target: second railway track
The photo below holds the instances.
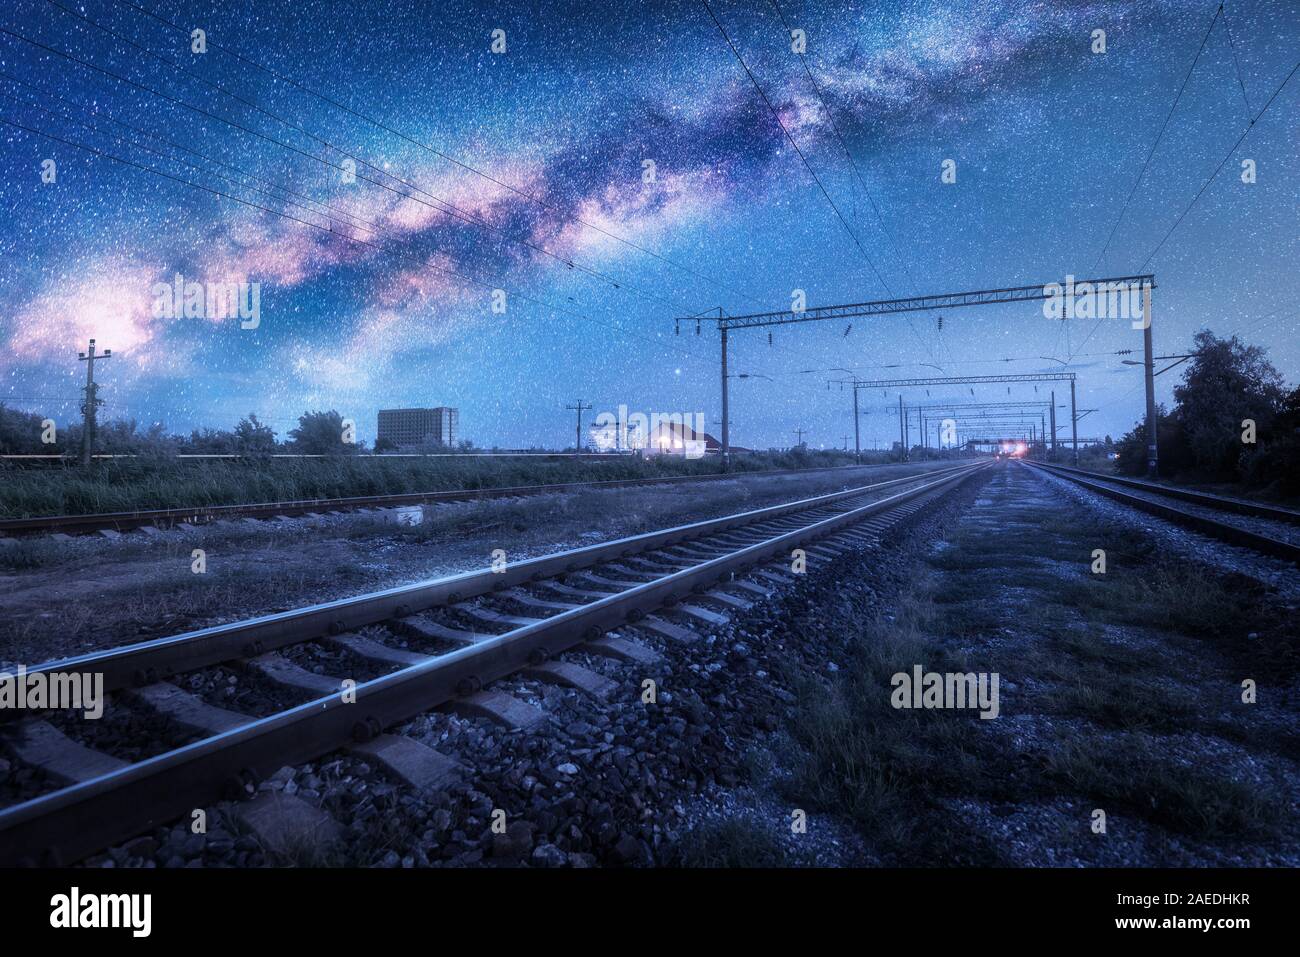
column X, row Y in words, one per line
column 1261, row 528
column 522, row 617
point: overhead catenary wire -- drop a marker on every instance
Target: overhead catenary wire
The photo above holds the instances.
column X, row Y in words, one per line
column 804, row 159
column 830, row 115
column 1146, row 164
column 1218, row 169
column 444, row 206
column 352, row 239
column 523, row 194
column 452, row 210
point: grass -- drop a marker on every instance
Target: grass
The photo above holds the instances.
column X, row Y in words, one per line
column 1129, row 773
column 731, row 843
column 859, row 757
column 127, row 484
column 1097, row 715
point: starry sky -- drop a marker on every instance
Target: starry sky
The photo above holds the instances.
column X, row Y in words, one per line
column 528, row 171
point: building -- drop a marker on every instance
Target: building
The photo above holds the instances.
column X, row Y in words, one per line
column 413, row 428
column 678, row 438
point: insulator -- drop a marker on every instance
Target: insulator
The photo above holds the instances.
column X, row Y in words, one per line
column 677, row 327
column 697, row 327
column 769, row 338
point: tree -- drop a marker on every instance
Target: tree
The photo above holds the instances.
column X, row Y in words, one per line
column 321, row 433
column 20, row 433
column 252, row 437
column 1226, row 382
column 1131, row 449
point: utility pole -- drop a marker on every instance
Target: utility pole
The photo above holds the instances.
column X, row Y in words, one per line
column 799, row 433
column 1153, row 455
column 726, row 407
column 580, row 408
column 92, row 402
column 902, row 432
column 846, row 442
column 857, row 432
column 1074, row 425
column 1052, row 456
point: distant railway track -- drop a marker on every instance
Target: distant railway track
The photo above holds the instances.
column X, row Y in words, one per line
column 1261, row 528
column 201, row 514
column 523, row 618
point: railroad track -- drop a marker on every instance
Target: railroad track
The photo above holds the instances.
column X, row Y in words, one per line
column 166, row 517
column 448, row 640
column 1261, row 528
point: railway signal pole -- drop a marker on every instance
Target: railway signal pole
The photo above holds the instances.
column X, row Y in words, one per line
column 92, row 403
column 580, row 408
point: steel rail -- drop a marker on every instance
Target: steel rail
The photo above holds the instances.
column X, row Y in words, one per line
column 1224, row 531
column 148, row 661
column 1209, row 500
column 79, row 820
column 202, row 513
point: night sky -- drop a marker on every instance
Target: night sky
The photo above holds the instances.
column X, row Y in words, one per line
column 524, row 171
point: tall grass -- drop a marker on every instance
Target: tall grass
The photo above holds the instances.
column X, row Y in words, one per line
column 115, row 485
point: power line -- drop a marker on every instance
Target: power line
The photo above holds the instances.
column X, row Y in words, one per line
column 95, row 129
column 1159, row 136
column 216, row 192
column 776, row 116
column 172, row 143
column 1227, row 27
column 432, row 151
column 811, row 172
column 803, row 59
column 453, row 211
column 1218, row 169
column 451, row 208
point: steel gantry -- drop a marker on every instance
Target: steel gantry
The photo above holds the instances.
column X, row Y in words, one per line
column 1084, row 298
column 1069, row 377
column 946, row 411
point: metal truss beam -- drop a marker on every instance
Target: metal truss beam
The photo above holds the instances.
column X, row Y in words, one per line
column 958, row 380
column 951, row 300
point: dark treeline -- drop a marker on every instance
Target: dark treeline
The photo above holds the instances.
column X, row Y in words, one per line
column 1206, row 435
column 317, row 433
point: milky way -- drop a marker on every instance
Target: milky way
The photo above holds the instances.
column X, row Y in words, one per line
column 387, row 178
